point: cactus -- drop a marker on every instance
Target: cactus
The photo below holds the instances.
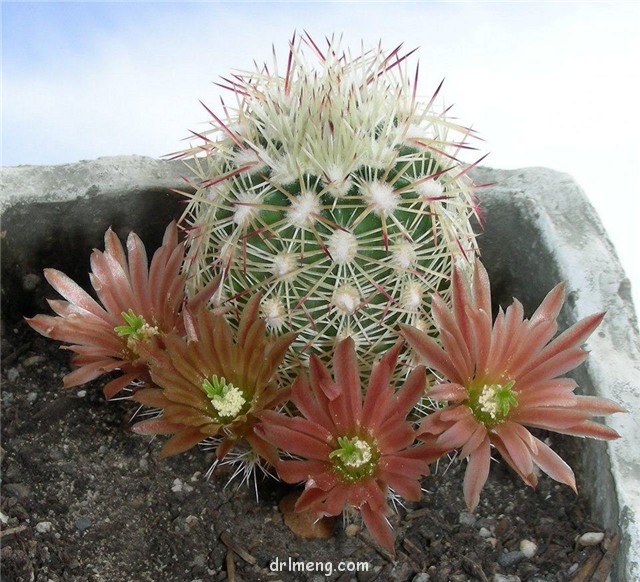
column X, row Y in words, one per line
column 336, row 193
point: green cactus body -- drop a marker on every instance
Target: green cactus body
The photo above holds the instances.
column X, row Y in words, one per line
column 336, row 194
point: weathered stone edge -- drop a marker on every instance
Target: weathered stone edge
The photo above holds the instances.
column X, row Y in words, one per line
column 574, row 236
column 571, row 234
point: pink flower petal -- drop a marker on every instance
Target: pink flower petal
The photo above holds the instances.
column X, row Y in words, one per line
column 592, row 430
column 475, row 440
column 448, row 392
column 347, row 376
column 598, row 406
column 557, row 419
column 476, row 474
column 305, row 402
column 458, row 434
column 379, row 527
column 517, row 449
column 181, row 442
column 430, row 353
column 411, row 391
column 72, row 292
column 298, row 471
column 554, row 466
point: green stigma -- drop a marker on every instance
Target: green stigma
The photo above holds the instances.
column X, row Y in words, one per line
column 226, row 398
column 355, row 458
column 136, row 329
column 491, row 403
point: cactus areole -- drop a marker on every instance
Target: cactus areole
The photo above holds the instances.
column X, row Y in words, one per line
column 336, row 193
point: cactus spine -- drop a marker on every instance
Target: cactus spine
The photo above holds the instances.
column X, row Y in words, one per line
column 336, row 193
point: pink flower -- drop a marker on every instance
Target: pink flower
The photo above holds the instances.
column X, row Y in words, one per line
column 501, row 378
column 215, row 382
column 138, row 304
column 353, row 451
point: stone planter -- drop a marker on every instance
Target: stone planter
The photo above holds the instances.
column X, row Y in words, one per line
column 539, row 230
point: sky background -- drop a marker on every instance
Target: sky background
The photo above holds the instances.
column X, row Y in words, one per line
column 546, row 84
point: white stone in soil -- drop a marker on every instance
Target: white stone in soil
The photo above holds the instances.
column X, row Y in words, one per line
column 591, row 538
column 528, row 548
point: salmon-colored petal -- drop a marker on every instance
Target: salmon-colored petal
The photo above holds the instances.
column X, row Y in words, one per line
column 445, row 321
column 379, row 527
column 432, row 355
column 72, row 292
column 555, row 366
column 347, row 377
column 303, row 398
column 379, row 380
column 448, row 392
column 298, row 471
column 592, row 430
column 153, row 397
column 458, row 433
column 475, row 440
column 112, row 388
column 553, row 465
column 89, row 372
column 411, row 391
column 573, row 337
column 156, row 426
column 517, row 449
column 293, row 441
column 598, row 406
column 476, row 474
column 557, row 419
column 182, row 441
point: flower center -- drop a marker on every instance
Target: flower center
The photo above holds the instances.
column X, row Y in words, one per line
column 136, row 330
column 491, row 403
column 226, row 398
column 354, row 459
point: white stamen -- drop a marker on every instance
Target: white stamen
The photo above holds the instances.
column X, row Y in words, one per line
column 230, row 403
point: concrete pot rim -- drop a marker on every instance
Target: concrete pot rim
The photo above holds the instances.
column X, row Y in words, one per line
column 570, row 233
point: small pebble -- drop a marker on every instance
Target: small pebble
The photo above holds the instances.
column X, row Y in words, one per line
column 144, row 464
column 191, row 520
column 503, row 578
column 81, row 393
column 13, row 374
column 484, row 533
column 20, row 490
column 422, row 577
column 528, row 548
column 200, row 560
column 591, row 538
column 33, row 361
column 44, row 526
column 30, row 281
column 32, row 397
column 351, row 530
column 83, row 523
column 510, row 559
column 466, row 518
column 573, row 568
column 179, row 487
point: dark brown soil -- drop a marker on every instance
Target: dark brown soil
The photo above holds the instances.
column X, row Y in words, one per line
column 85, row 499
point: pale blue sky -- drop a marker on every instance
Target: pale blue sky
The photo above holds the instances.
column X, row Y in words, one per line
column 546, row 84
